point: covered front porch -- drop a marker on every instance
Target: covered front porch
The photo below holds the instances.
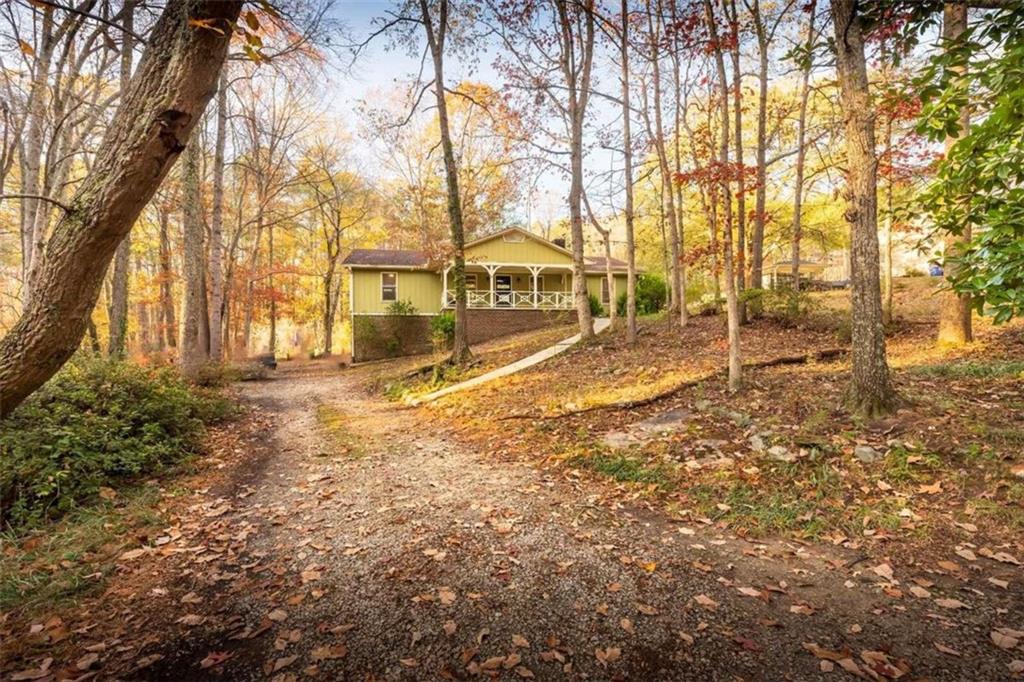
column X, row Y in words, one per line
column 508, row 285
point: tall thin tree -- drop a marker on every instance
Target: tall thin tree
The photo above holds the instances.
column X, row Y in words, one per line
column 871, row 392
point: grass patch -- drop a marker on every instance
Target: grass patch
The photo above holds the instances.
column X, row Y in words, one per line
column 971, row 369
column 903, row 465
column 1005, row 512
column 624, row 469
column 802, row 497
column 335, row 423
column 73, row 558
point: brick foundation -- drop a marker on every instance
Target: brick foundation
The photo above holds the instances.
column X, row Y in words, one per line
column 375, row 337
column 487, row 323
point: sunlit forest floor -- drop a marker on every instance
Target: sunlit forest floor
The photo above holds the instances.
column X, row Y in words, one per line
column 530, row 529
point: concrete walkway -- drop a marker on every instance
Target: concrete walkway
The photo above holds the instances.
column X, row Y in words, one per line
column 600, row 324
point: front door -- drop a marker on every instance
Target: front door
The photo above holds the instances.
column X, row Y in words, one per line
column 503, row 290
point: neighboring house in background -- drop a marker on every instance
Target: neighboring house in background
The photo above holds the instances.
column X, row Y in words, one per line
column 515, row 281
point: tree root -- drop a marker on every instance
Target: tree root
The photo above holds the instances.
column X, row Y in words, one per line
column 818, row 356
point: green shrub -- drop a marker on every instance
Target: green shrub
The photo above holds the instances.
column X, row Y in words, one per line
column 651, row 295
column 96, row 424
column 442, row 329
column 783, row 304
column 401, row 308
column 596, row 309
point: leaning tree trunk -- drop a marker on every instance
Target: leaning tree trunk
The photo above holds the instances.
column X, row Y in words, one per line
column 871, row 392
column 955, row 309
column 118, row 311
column 174, row 82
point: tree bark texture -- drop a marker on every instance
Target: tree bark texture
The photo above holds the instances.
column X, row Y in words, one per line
column 193, row 353
column 174, row 82
column 871, row 392
column 955, row 309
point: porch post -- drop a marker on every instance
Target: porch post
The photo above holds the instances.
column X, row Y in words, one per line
column 491, row 269
column 444, row 287
column 535, row 271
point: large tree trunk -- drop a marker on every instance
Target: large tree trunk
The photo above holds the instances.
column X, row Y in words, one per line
column 175, row 80
column 955, row 309
column 627, row 145
column 193, row 353
column 801, row 155
column 460, row 348
column 217, row 227
column 731, row 299
column 871, row 392
column 118, row 310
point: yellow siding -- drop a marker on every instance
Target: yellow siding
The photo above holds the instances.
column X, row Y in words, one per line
column 528, row 251
column 421, row 288
column 594, row 286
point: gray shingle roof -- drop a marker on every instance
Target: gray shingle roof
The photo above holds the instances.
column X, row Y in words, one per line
column 384, row 257
column 598, row 262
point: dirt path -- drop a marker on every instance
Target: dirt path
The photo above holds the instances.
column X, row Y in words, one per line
column 385, row 550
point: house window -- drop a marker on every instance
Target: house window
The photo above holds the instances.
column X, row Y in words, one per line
column 605, row 297
column 471, row 282
column 388, row 286
column 513, row 238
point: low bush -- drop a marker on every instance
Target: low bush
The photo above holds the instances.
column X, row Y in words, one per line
column 401, row 308
column 442, row 329
column 97, row 424
column 782, row 304
column 651, row 294
column 596, row 309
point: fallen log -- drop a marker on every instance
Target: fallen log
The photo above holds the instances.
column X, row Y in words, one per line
column 817, row 356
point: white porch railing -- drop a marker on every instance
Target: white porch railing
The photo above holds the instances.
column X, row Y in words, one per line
column 543, row 300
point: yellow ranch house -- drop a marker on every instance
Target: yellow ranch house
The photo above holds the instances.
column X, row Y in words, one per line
column 515, row 281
